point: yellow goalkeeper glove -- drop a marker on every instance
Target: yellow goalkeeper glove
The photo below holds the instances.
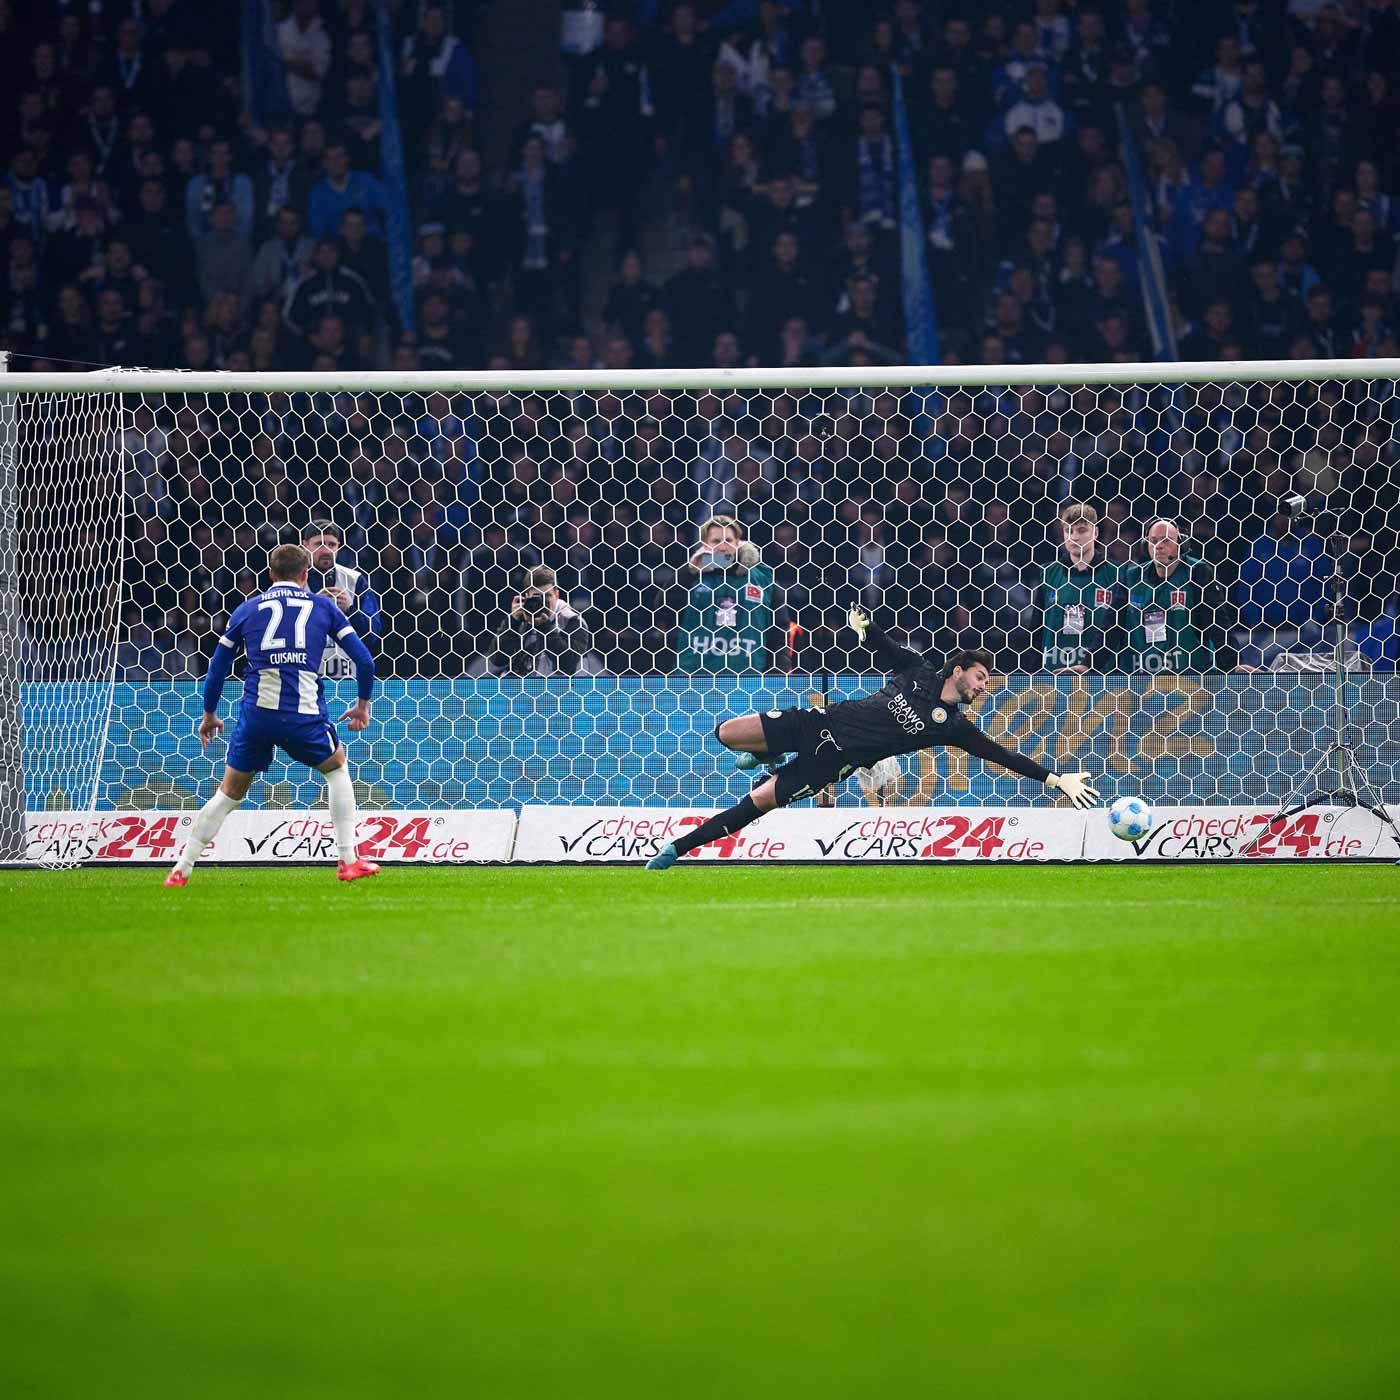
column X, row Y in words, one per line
column 858, row 620
column 1076, row 787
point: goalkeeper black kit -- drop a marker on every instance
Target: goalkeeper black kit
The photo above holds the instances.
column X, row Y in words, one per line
column 903, row 716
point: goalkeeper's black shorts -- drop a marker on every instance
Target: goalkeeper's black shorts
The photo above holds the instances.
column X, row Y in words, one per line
column 819, row 758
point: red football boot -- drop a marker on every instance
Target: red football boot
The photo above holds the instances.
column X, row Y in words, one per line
column 356, row 869
column 176, row 880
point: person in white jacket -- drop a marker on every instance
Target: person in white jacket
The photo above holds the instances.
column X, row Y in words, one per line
column 306, row 55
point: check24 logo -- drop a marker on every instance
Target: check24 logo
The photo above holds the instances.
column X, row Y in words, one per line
column 126, row 836
column 1296, row 834
column 961, row 836
column 378, row 837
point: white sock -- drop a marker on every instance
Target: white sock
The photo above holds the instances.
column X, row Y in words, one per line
column 207, row 822
column 341, row 793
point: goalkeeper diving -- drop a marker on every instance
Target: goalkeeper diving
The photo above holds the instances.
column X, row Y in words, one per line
column 920, row 708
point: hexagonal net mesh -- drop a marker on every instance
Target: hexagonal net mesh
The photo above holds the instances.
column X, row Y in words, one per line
column 558, row 617
column 62, row 506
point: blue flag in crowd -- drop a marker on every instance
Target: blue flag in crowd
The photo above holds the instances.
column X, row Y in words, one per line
column 399, row 226
column 920, row 321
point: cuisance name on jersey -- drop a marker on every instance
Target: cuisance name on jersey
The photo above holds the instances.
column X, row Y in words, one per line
column 906, row 716
column 287, row 658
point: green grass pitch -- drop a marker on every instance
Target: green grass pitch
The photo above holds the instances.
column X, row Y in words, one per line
column 972, row 1132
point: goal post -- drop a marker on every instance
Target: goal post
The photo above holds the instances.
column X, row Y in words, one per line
column 526, row 553
column 12, row 805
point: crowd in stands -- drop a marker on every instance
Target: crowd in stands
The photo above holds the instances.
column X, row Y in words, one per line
column 146, row 218
column 942, row 513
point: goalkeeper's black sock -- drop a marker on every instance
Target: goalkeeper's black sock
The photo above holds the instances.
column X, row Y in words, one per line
column 720, row 825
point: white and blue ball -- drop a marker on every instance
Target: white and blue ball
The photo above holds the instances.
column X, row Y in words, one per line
column 1130, row 818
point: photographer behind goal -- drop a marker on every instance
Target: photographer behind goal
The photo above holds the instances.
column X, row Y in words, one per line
column 547, row 637
column 919, row 708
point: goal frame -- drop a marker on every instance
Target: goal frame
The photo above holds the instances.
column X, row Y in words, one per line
column 933, row 378
column 1142, row 373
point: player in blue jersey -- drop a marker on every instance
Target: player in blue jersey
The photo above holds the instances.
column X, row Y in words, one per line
column 283, row 632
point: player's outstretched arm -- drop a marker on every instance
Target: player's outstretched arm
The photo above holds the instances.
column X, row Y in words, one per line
column 891, row 656
column 1075, row 786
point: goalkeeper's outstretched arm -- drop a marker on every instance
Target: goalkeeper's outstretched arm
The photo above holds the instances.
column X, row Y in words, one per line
column 1074, row 786
column 972, row 740
column 891, row 656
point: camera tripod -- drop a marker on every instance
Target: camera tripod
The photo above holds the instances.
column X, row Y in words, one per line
column 1353, row 785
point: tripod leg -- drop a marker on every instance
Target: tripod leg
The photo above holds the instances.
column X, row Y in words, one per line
column 1374, row 802
column 1290, row 803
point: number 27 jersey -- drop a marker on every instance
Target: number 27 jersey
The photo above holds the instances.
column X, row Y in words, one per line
column 284, row 633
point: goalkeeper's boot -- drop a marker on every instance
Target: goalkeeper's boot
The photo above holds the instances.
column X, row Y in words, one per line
column 750, row 762
column 664, row 859
column 176, row 880
column 356, row 869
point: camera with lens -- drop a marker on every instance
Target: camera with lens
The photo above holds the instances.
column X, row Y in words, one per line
column 537, row 606
column 534, row 604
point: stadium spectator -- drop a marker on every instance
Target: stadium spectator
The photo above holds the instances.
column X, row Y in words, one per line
column 436, row 64
column 729, row 603
column 1036, row 110
column 327, row 288
column 218, row 184
column 282, row 261
column 31, row 201
column 631, row 298
column 222, row 255
column 615, row 111
column 1078, row 598
column 814, row 87
column 280, row 182
column 341, row 188
column 75, row 255
column 865, row 327
column 347, row 586
column 1270, row 318
column 365, row 255
column 871, row 196
column 306, row 55
column 699, row 302
column 1173, row 607
column 542, row 236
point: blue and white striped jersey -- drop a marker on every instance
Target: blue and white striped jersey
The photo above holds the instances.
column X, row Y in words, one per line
column 284, row 633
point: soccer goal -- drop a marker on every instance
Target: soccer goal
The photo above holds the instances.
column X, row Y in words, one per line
column 569, row 579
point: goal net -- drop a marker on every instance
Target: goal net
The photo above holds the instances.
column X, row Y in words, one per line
column 569, row 582
column 63, row 510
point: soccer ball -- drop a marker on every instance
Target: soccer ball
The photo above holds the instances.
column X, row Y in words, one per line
column 1130, row 818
